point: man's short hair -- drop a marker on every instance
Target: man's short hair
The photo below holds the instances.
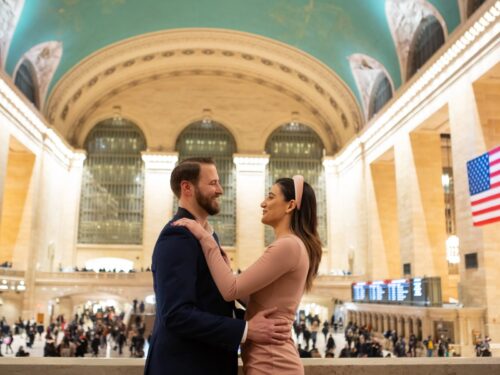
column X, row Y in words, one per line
column 187, row 170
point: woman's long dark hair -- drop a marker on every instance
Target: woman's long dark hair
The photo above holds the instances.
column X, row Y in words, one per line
column 304, row 224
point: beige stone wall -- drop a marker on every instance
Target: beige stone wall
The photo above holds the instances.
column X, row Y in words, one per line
column 383, row 244
column 348, row 238
column 17, row 182
column 11, row 305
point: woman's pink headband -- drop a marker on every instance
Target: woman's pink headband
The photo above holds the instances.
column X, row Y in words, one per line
column 298, row 183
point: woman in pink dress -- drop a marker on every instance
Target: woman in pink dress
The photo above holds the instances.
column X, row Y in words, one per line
column 279, row 277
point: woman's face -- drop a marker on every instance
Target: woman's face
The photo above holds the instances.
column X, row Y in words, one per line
column 274, row 206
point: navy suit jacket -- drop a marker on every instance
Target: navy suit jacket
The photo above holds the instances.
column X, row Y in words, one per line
column 194, row 331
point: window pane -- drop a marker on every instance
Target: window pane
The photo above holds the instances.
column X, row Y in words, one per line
column 381, row 94
column 26, row 83
column 210, row 139
column 112, row 199
column 296, row 149
column 427, row 40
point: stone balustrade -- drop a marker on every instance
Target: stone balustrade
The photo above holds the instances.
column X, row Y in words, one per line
column 337, row 366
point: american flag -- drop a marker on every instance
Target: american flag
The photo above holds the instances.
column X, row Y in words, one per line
column 484, row 187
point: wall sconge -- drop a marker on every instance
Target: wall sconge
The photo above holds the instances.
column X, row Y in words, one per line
column 117, row 115
column 295, row 119
column 453, row 249
column 206, row 118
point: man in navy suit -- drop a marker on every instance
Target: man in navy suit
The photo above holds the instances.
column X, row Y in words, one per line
column 195, row 330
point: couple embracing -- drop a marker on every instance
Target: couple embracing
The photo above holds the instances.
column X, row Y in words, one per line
column 197, row 328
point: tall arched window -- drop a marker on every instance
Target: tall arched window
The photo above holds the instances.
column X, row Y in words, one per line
column 473, row 5
column 112, row 198
column 381, row 94
column 428, row 37
column 25, row 80
column 208, row 138
column 296, row 149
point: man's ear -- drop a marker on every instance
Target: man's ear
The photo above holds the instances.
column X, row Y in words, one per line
column 187, row 188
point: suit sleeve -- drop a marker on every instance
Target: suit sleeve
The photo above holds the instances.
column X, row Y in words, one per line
column 280, row 257
column 175, row 278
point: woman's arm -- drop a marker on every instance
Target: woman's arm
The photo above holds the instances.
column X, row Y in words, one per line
column 280, row 257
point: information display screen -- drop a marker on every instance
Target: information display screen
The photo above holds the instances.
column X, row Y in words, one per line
column 419, row 291
column 399, row 291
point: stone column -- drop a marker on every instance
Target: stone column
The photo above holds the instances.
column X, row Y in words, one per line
column 414, row 321
column 250, row 191
column 4, row 155
column 387, row 322
column 421, row 210
column 158, row 198
column 399, row 328
column 331, row 185
column 407, row 327
column 475, row 129
column 72, row 208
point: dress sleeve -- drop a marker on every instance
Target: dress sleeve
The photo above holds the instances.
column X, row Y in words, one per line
column 279, row 258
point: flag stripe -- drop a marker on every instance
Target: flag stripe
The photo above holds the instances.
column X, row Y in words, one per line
column 488, row 221
column 489, row 203
column 484, row 187
column 480, row 198
column 486, row 210
column 496, row 151
column 486, row 216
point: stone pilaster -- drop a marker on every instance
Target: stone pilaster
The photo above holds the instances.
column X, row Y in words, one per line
column 421, row 206
column 475, row 130
column 250, row 191
column 4, row 155
column 158, row 198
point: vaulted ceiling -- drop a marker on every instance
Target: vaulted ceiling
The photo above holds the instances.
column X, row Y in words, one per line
column 327, row 32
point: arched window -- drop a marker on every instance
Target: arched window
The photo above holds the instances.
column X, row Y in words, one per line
column 473, row 5
column 112, row 198
column 428, row 37
column 25, row 80
column 381, row 94
column 208, row 138
column 296, row 149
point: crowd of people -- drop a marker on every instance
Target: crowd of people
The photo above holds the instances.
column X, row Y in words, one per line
column 361, row 341
column 87, row 334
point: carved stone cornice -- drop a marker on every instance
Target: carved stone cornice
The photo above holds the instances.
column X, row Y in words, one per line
column 200, row 52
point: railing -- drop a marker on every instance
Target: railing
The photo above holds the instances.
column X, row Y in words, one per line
column 337, row 366
column 9, row 272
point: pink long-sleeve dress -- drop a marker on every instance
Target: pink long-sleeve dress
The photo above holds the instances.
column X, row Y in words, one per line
column 276, row 279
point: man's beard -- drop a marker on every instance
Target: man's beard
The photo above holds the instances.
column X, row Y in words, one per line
column 210, row 206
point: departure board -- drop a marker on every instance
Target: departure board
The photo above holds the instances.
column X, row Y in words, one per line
column 399, row 291
column 419, row 291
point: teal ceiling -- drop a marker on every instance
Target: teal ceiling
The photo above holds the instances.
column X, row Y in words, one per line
column 329, row 30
